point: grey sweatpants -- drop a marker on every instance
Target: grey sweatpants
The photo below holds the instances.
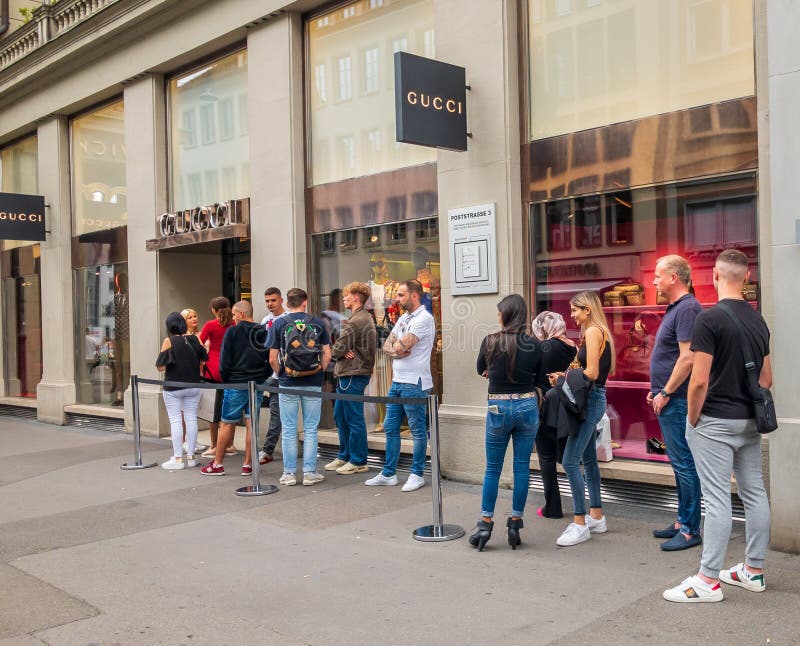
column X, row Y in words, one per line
column 720, row 446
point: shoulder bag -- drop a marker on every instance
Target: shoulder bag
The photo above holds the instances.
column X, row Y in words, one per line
column 763, row 405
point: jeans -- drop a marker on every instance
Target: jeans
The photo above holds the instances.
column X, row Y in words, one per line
column 236, row 402
column 720, row 446
column 417, row 415
column 673, row 426
column 350, row 422
column 186, row 400
column 290, row 405
column 274, row 429
column 518, row 420
column 581, row 448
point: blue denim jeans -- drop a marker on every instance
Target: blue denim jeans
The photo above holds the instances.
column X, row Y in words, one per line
column 673, row 425
column 290, row 405
column 417, row 415
column 518, row 420
column 581, row 448
column 349, row 417
column 236, row 402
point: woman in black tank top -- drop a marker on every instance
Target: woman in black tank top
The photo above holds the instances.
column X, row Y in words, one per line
column 596, row 357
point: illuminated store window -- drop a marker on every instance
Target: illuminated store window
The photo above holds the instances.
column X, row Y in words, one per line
column 615, row 255
column 217, row 93
column 594, row 63
column 100, row 254
column 21, row 285
column 353, row 44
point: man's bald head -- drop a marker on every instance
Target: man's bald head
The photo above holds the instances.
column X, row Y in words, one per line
column 245, row 309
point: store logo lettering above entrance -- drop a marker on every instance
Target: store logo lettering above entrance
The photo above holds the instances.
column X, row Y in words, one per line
column 21, row 217
column 200, row 218
column 430, row 102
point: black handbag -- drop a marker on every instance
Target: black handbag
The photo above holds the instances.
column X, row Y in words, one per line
column 763, row 405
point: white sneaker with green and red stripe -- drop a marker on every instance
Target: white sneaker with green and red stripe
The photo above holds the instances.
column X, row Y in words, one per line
column 738, row 575
column 694, row 590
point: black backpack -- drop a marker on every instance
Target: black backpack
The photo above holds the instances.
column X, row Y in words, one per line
column 301, row 347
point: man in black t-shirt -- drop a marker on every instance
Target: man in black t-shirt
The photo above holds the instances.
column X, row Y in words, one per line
column 722, row 434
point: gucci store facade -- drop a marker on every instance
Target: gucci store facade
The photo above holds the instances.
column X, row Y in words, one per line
column 250, row 143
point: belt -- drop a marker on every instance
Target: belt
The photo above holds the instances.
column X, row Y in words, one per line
column 512, row 396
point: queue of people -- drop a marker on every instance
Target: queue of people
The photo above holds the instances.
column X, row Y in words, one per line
column 544, row 390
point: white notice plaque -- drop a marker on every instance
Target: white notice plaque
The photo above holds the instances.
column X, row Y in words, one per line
column 473, row 250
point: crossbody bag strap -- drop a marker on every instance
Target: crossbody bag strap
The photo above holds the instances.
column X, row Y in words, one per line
column 749, row 362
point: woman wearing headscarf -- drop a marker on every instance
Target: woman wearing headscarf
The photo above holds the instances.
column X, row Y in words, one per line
column 558, row 352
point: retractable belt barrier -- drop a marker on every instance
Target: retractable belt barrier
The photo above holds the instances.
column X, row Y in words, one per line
column 435, row 532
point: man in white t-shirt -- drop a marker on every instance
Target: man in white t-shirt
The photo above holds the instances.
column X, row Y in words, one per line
column 410, row 345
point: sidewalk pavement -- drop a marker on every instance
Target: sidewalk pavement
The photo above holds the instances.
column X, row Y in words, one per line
column 90, row 554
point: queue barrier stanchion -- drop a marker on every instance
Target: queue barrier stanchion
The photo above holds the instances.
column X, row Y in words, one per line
column 137, row 435
column 438, row 531
column 256, row 489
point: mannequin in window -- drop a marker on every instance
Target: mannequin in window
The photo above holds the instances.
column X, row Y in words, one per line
column 382, row 288
column 122, row 336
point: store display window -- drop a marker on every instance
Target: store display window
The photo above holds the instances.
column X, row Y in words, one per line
column 598, row 63
column 610, row 242
column 100, row 254
column 350, row 86
column 382, row 258
column 20, row 268
column 209, row 139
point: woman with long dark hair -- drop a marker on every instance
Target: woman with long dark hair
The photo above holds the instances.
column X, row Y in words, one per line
column 181, row 359
column 596, row 357
column 211, row 337
column 512, row 361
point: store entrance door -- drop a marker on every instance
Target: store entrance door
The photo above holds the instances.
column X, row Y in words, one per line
column 236, row 284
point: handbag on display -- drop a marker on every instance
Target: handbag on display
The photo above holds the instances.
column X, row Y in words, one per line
column 633, row 361
column 763, row 405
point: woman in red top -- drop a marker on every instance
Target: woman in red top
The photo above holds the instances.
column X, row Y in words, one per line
column 211, row 337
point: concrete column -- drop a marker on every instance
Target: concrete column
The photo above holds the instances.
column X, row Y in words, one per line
column 277, row 160
column 146, row 177
column 484, row 41
column 778, row 75
column 57, row 387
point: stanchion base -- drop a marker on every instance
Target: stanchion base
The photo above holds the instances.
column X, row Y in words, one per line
column 250, row 490
column 128, row 467
column 438, row 533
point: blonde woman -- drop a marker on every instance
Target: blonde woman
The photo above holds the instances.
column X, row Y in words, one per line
column 596, row 357
column 191, row 321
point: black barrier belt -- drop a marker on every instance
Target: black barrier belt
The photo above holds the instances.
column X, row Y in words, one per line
column 413, row 401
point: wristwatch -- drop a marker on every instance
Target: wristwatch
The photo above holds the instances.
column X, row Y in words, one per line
column 664, row 394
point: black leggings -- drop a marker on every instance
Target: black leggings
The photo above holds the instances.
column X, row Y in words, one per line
column 547, row 450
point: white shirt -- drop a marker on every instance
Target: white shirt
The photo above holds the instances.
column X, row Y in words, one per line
column 268, row 321
column 417, row 365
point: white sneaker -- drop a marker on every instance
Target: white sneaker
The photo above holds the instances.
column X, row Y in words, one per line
column 381, row 480
column 288, row 479
column 596, row 526
column 172, row 464
column 310, row 479
column 738, row 575
column 332, row 466
column 199, row 447
column 191, row 461
column 414, row 482
column 573, row 535
column 694, row 590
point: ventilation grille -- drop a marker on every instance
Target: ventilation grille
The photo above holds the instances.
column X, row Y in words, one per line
column 100, row 423
column 22, row 412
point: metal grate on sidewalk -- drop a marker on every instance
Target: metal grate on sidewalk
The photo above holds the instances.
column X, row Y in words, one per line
column 99, row 423
column 20, row 412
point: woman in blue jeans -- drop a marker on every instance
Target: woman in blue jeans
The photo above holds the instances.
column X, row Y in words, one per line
column 512, row 361
column 596, row 357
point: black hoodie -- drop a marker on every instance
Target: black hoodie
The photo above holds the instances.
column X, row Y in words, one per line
column 243, row 356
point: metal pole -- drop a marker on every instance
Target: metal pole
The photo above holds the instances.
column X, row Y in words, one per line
column 255, row 489
column 437, row 532
column 137, row 433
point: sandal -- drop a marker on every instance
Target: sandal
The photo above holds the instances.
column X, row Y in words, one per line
column 210, row 452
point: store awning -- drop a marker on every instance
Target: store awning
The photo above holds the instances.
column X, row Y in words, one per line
column 578, row 286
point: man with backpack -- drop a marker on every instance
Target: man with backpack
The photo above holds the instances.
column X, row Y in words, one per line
column 299, row 353
column 731, row 364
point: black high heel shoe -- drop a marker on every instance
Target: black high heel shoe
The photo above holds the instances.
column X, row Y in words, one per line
column 514, row 525
column 484, row 533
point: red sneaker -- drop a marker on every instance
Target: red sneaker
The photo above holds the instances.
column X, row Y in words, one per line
column 212, row 469
column 264, row 458
column 247, row 470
